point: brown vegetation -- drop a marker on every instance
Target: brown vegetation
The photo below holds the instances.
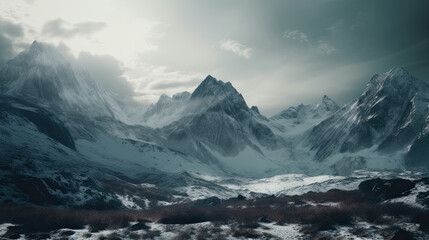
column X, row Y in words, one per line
column 247, row 213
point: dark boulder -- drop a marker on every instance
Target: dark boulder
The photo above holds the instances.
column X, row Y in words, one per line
column 423, row 198
column 140, row 225
column 380, row 189
column 402, row 235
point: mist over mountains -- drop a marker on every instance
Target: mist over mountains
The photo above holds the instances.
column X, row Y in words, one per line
column 58, row 125
column 214, row 119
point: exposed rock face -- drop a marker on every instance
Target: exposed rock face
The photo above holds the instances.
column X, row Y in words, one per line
column 390, row 114
column 45, row 121
column 41, row 74
column 213, row 129
column 218, row 117
column 166, row 110
column 380, row 190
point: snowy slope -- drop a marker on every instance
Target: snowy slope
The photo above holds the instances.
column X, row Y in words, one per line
column 295, row 121
column 385, row 120
column 43, row 75
column 218, row 127
column 166, row 110
column 39, row 164
column 212, row 130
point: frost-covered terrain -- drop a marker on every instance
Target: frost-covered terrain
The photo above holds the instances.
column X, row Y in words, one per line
column 213, row 131
column 65, row 142
column 360, row 207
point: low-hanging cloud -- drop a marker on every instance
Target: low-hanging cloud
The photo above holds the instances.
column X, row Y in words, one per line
column 106, row 70
column 60, row 28
column 237, row 48
column 9, row 33
column 157, row 80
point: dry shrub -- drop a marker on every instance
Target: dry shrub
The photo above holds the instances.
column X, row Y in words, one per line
column 246, row 213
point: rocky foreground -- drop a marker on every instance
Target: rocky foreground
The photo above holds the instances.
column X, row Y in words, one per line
column 378, row 209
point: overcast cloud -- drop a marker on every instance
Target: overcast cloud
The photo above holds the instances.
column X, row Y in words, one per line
column 276, row 53
column 10, row 32
column 105, row 69
column 237, row 48
column 60, row 28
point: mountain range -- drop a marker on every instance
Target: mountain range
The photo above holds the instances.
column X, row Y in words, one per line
column 64, row 138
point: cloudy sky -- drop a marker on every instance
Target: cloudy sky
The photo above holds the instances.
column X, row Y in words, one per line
column 276, row 53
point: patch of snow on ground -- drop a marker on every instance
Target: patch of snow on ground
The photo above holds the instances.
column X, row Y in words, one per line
column 290, row 231
column 3, row 228
column 128, row 202
column 411, row 199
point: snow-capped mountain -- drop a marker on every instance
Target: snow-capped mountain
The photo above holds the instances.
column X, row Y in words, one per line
column 213, row 130
column 71, row 128
column 42, row 74
column 214, row 89
column 39, row 162
column 296, row 120
column 302, row 112
column 387, row 119
column 218, row 116
column 166, row 110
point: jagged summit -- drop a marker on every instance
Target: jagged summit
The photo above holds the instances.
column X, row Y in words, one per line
column 397, row 79
column 211, row 87
column 182, row 96
column 211, row 95
column 398, row 71
column 325, row 98
column 41, row 54
column 326, row 107
column 398, row 75
column 163, row 97
column 394, row 87
column 328, row 104
column 41, row 73
column 388, row 116
column 37, row 45
column 166, row 109
column 255, row 109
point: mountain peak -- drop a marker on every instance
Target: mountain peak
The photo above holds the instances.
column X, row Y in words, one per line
column 163, row 97
column 41, row 47
column 396, row 80
column 398, row 71
column 35, row 43
column 181, row 96
column 42, row 73
column 210, row 78
column 255, row 109
column 329, row 104
column 211, row 87
column 41, row 54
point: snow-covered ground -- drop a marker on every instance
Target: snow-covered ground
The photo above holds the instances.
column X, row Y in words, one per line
column 411, row 199
column 294, row 184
